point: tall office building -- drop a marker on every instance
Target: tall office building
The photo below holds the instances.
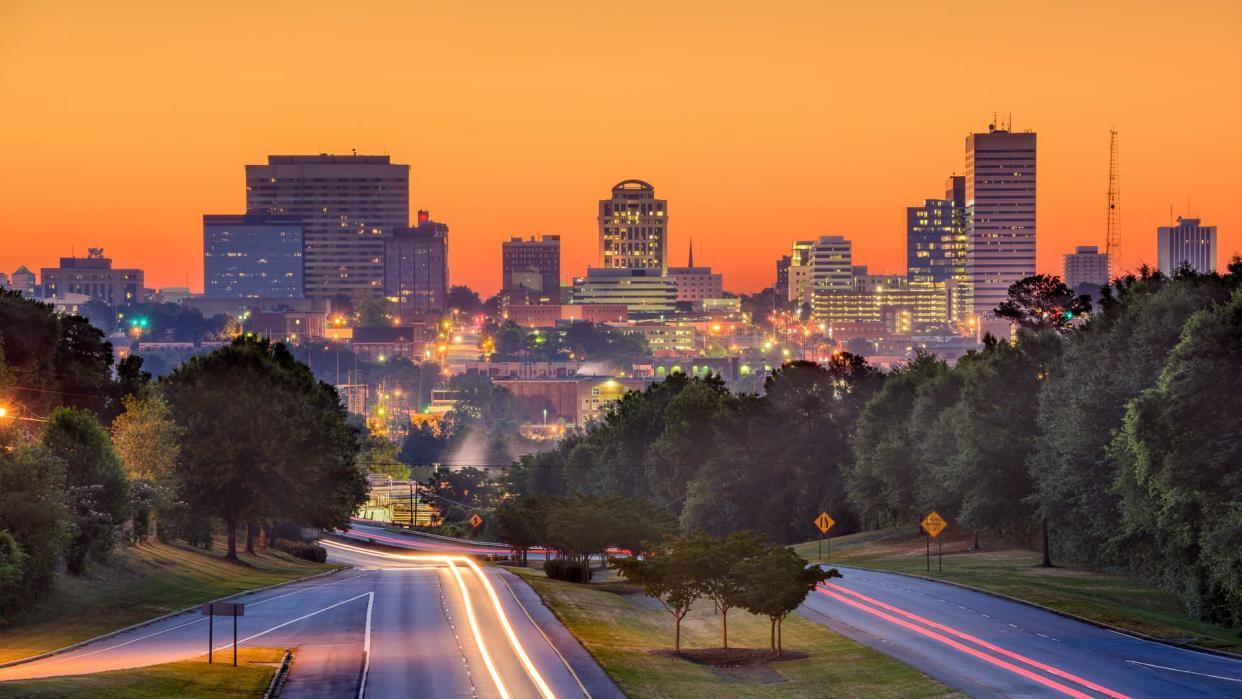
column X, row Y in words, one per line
column 633, row 228
column 800, row 282
column 832, row 276
column 252, row 256
column 1085, row 266
column 416, row 275
column 532, row 268
column 936, row 242
column 92, row 276
column 781, row 288
column 1000, row 217
column 347, row 204
column 1188, row 243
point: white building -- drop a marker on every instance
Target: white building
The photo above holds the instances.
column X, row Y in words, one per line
column 1000, row 216
column 646, row 293
column 1086, row 265
column 1187, row 243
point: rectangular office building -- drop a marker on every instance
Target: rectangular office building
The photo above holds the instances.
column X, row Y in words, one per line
column 1000, row 216
column 1189, row 244
column 416, row 275
column 252, row 256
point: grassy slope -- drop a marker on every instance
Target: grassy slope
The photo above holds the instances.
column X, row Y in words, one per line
column 141, row 582
column 190, row 678
column 1112, row 599
column 620, row 627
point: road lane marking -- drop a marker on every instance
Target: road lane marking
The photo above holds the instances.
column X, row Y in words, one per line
column 294, row 621
column 1187, row 672
column 980, row 642
column 529, row 666
column 478, row 634
column 551, row 645
column 366, row 648
column 1023, row 672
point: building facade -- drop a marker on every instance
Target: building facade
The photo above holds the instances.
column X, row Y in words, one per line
column 832, row 277
column 92, row 276
column 532, row 268
column 1188, row 243
column 416, row 275
column 1000, row 216
column 633, row 228
column 551, row 314
column 347, row 203
column 252, row 255
column 696, row 283
column 646, row 293
column 936, row 242
column 23, row 281
column 782, row 278
column 1085, row 266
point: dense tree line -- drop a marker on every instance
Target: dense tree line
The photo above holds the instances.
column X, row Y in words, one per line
column 580, row 341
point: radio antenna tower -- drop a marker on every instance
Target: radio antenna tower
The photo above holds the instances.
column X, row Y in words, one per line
column 1112, row 246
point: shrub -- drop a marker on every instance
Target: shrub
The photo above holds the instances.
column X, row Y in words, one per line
column 569, row 570
column 305, row 551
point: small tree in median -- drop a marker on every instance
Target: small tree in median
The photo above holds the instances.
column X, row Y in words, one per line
column 776, row 583
column 669, row 573
column 723, row 569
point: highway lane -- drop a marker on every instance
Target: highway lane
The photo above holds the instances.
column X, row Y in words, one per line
column 986, row 646
column 396, row 624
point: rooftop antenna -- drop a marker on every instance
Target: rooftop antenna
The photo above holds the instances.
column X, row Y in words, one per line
column 1009, row 122
column 1112, row 242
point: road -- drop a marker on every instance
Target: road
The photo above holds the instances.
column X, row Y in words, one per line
column 986, row 646
column 396, row 624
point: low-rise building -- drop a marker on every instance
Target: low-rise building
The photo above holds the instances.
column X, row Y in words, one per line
column 646, row 293
column 551, row 315
column 95, row 277
column 575, row 401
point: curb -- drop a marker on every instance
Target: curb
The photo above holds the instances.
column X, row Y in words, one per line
column 1068, row 615
column 278, row 679
column 148, row 622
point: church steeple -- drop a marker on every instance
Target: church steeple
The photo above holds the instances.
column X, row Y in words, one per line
column 690, row 262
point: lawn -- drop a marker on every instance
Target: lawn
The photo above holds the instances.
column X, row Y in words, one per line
column 141, row 582
column 1111, row 599
column 625, row 630
column 185, row 679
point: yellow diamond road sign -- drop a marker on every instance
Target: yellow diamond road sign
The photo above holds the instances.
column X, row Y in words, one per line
column 824, row 522
column 933, row 524
column 476, row 520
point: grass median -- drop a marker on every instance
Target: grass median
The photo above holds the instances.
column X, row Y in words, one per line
column 140, row 583
column 1116, row 600
column 631, row 637
column 185, row 679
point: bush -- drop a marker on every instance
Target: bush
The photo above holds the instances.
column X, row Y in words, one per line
column 305, row 551
column 568, row 570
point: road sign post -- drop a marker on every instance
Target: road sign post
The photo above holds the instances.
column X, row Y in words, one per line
column 932, row 525
column 823, row 523
column 213, row 609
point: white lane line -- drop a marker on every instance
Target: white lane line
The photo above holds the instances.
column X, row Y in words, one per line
column 294, row 621
column 556, row 650
column 366, row 648
column 478, row 634
column 531, row 671
column 1013, row 626
column 1172, row 646
column 77, row 656
column 1186, row 672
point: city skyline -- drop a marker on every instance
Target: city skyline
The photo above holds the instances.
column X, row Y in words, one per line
column 799, row 163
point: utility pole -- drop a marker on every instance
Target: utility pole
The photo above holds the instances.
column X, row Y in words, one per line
column 1112, row 245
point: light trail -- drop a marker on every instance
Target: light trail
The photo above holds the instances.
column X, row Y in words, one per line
column 514, row 642
column 1021, row 671
column 980, row 642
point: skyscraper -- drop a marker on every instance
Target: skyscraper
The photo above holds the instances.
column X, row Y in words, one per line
column 1085, row 266
column 416, row 275
column 633, row 228
column 252, row 255
column 347, row 203
column 532, row 268
column 1000, row 216
column 1187, row 243
column 832, row 276
column 781, row 288
column 936, row 242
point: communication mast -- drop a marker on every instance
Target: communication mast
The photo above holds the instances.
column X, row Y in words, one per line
column 1113, row 242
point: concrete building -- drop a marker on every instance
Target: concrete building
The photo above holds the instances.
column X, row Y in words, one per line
column 646, row 293
column 936, row 243
column 781, row 287
column 696, row 283
column 252, row 255
column 801, row 282
column 1085, row 266
column 1188, row 243
column 92, row 276
column 532, row 268
column 633, row 228
column 23, row 281
column 832, row 277
column 347, row 204
column 1000, row 218
column 383, row 343
column 576, row 401
column 416, row 275
column 551, row 315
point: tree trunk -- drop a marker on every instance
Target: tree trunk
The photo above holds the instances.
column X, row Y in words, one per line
column 251, row 531
column 677, row 635
column 724, row 618
column 780, row 647
column 231, row 525
column 1047, row 562
column 772, row 634
column 975, row 546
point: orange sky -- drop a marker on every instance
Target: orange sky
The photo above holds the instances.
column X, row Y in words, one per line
column 123, row 122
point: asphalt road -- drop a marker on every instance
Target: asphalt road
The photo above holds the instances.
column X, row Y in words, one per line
column 986, row 646
column 396, row 624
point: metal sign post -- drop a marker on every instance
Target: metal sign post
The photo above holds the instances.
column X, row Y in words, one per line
column 932, row 525
column 823, row 522
column 213, row 609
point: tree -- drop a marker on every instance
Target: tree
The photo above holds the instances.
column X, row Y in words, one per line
column 148, row 442
column 12, row 568
column 777, row 582
column 669, row 573
column 464, row 299
column 1042, row 301
column 379, row 455
column 522, row 524
column 263, row 439
column 33, row 512
column 372, row 311
column 97, row 486
column 723, row 569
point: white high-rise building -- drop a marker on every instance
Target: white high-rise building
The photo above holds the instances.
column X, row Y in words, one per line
column 832, row 275
column 1000, row 216
column 1086, row 265
column 633, row 228
column 1189, row 243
